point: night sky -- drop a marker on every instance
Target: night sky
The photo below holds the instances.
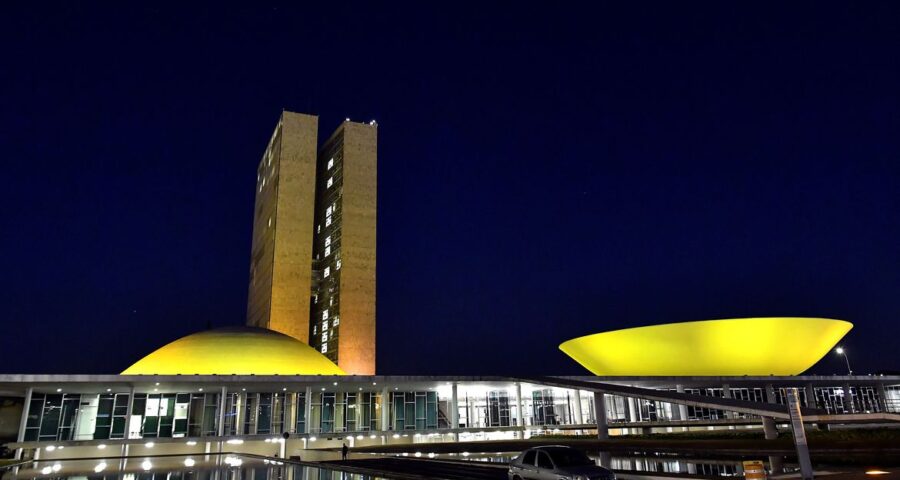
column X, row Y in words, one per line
column 544, row 172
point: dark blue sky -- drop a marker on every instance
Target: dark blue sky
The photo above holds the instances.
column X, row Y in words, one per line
column 544, row 172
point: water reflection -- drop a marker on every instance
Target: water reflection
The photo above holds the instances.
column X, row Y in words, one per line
column 214, row 467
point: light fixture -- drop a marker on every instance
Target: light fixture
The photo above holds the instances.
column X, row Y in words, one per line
column 146, row 465
column 235, row 441
column 100, row 467
column 58, row 390
column 57, row 467
column 876, row 472
column 189, row 462
column 335, row 384
column 312, row 439
column 157, row 384
column 101, row 446
column 374, row 383
column 284, row 389
column 359, row 437
column 191, row 442
column 841, row 351
column 108, row 389
column 50, row 448
column 46, row 470
column 200, row 389
column 243, row 389
column 149, row 444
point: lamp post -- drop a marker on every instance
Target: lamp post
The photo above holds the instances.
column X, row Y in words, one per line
column 841, row 351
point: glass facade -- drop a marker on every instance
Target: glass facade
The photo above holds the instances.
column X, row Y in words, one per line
column 67, row 416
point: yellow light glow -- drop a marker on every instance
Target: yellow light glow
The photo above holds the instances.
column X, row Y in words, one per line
column 734, row 347
column 876, row 472
column 238, row 351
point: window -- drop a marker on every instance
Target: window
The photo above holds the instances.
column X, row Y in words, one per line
column 324, row 348
column 315, row 329
column 325, row 316
column 327, row 271
column 328, row 250
column 327, row 221
column 327, row 184
column 318, row 228
column 330, row 164
column 543, row 461
column 328, row 211
column 337, row 266
column 528, row 459
column 325, row 336
column 336, row 321
column 334, row 207
column 328, row 240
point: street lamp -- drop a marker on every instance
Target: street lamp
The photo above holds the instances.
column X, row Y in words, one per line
column 841, row 351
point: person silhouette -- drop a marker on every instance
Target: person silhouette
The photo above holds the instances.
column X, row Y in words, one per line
column 344, row 451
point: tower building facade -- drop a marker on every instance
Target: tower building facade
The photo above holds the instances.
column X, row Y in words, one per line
column 312, row 268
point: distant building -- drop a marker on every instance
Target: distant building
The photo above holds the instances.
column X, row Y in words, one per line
column 312, row 268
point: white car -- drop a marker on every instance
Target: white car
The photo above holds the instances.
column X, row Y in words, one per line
column 556, row 462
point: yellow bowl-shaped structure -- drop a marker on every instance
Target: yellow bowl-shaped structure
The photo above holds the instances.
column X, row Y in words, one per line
column 235, row 351
column 735, row 347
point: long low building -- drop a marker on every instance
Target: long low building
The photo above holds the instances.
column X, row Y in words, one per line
column 65, row 416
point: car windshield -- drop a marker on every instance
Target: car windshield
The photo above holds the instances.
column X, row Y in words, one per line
column 569, row 458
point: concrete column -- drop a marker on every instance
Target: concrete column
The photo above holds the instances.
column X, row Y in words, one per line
column 882, row 397
column 129, row 411
column 579, row 418
column 454, row 406
column 385, row 410
column 810, row 395
column 600, row 409
column 239, row 413
column 770, row 393
column 682, row 409
column 633, row 408
column 292, row 413
column 520, row 407
column 221, row 426
column 307, row 410
column 848, row 399
column 769, row 428
column 23, row 422
column 726, row 393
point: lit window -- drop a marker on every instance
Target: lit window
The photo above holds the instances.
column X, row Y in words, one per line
column 325, row 325
column 328, row 211
column 328, row 240
column 315, row 329
column 334, row 207
column 327, row 271
column 337, row 266
column 324, row 337
column 327, row 251
column 270, row 221
column 336, row 321
column 330, row 164
column 325, row 316
column 327, row 184
column 324, row 348
column 318, row 229
column 330, row 301
column 327, row 221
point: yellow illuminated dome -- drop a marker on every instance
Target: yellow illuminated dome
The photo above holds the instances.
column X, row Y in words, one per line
column 238, row 351
column 742, row 346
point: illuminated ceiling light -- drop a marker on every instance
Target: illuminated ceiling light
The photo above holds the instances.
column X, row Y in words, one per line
column 189, row 462
column 46, row 470
column 235, row 441
column 100, row 467
column 146, row 465
column 876, row 472
column 374, row 383
column 359, row 437
column 284, row 389
column 418, row 454
column 57, row 467
column 157, row 384
column 50, row 448
column 335, row 384
column 149, row 444
column 58, row 390
column 312, row 439
column 101, row 446
column 191, row 442
column 108, row 389
column 431, row 455
column 200, row 389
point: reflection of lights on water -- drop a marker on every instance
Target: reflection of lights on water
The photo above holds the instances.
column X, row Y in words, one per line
column 876, row 472
column 189, row 462
column 146, row 465
column 100, row 467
